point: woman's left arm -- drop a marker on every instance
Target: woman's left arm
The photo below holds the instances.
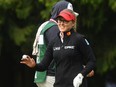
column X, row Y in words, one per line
column 88, row 55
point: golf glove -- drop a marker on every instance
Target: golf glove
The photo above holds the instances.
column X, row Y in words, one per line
column 77, row 81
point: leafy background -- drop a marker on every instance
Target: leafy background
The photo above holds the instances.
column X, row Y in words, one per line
column 20, row 19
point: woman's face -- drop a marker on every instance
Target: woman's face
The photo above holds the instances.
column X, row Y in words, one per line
column 65, row 25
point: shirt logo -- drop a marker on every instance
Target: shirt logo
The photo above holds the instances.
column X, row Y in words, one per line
column 56, row 48
column 69, row 47
column 65, row 47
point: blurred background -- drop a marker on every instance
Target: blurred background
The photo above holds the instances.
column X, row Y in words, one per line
column 20, row 19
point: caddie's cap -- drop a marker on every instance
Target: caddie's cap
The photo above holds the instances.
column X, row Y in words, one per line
column 71, row 8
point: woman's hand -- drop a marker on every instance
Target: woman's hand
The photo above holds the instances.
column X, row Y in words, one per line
column 27, row 60
column 91, row 74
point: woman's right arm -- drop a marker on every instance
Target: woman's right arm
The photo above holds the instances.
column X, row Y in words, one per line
column 43, row 65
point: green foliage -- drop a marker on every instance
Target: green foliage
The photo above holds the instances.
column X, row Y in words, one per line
column 112, row 4
column 107, row 62
column 1, row 20
column 94, row 3
column 48, row 5
column 19, row 35
column 92, row 16
column 0, row 40
column 23, row 9
column 7, row 4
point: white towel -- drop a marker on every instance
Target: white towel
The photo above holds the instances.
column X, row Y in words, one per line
column 36, row 41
